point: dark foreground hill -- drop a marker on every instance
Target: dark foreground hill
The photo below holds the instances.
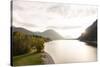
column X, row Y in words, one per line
column 91, row 34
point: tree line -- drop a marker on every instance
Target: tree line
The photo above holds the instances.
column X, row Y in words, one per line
column 23, row 43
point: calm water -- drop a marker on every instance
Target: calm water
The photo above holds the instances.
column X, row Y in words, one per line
column 66, row 51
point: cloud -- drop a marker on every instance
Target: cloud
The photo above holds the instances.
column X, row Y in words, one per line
column 70, row 11
column 59, row 9
column 52, row 15
column 64, row 27
column 21, row 23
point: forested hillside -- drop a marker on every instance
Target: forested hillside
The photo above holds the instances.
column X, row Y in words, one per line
column 23, row 43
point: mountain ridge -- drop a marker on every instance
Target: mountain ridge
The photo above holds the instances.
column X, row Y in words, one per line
column 53, row 35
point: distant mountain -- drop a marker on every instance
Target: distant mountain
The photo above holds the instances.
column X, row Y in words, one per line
column 51, row 34
column 91, row 33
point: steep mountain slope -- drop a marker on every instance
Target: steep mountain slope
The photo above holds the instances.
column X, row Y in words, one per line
column 91, row 33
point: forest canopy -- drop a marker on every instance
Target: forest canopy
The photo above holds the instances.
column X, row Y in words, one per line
column 23, row 43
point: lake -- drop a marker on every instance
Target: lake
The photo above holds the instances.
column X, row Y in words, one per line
column 70, row 51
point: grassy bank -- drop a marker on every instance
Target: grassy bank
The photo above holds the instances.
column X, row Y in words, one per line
column 26, row 49
column 27, row 59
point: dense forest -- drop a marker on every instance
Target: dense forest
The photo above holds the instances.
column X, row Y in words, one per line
column 23, row 43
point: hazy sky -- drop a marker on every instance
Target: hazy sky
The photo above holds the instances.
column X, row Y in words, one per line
column 67, row 19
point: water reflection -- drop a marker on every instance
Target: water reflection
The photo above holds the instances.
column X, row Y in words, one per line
column 66, row 51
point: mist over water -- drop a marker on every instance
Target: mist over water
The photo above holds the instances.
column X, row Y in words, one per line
column 66, row 51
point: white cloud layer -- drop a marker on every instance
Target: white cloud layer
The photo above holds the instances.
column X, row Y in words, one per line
column 39, row 16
